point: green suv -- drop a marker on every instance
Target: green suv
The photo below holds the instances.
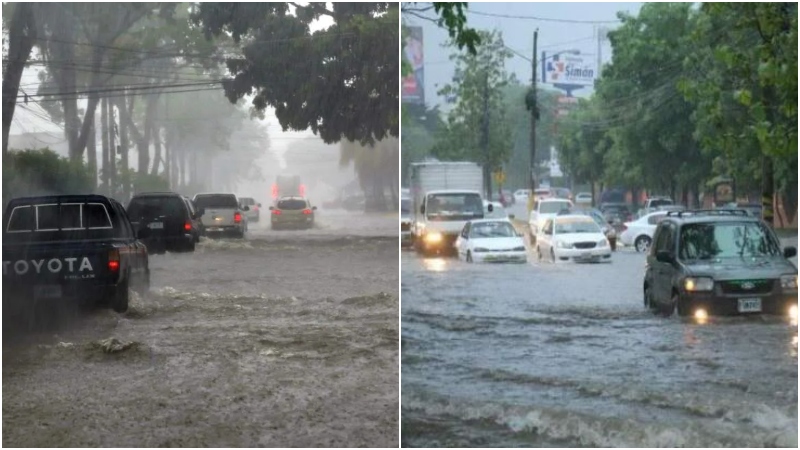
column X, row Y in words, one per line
column 721, row 262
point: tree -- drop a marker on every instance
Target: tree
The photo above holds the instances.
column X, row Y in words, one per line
column 342, row 82
column 477, row 128
column 452, row 17
column 420, row 126
column 22, row 34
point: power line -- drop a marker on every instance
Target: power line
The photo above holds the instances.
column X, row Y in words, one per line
column 543, row 19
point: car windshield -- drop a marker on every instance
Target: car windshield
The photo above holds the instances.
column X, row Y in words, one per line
column 565, row 226
column 155, row 207
column 594, row 215
column 552, row 207
column 405, row 206
column 454, row 206
column 208, row 201
column 492, row 230
column 292, row 204
column 726, row 240
column 660, row 202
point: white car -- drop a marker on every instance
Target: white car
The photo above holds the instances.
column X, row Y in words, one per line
column 490, row 240
column 545, row 209
column 521, row 195
column 639, row 233
column 584, row 198
column 572, row 237
column 498, row 211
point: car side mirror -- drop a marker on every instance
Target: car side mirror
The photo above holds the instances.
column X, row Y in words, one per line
column 246, row 208
column 313, row 208
column 490, row 208
column 271, row 208
column 201, row 211
column 789, row 252
column 664, row 257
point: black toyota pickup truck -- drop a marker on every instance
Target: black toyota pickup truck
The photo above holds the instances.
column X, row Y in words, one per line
column 71, row 248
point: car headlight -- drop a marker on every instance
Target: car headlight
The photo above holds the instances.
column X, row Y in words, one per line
column 789, row 282
column 433, row 237
column 602, row 243
column 480, row 250
column 521, row 248
column 562, row 244
column 693, row 284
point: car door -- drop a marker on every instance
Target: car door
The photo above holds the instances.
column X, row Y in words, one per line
column 663, row 271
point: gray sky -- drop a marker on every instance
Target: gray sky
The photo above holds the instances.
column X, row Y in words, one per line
column 518, row 35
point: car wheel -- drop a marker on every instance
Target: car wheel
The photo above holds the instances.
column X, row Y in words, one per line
column 669, row 309
column 553, row 255
column 190, row 247
column 642, row 243
column 469, row 256
column 682, row 306
column 613, row 244
column 648, row 300
column 119, row 302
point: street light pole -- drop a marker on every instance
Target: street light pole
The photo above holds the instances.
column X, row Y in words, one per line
column 534, row 106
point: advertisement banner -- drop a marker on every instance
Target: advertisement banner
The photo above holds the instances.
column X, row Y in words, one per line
column 569, row 69
column 414, row 83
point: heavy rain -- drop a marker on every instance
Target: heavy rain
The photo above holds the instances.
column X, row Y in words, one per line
column 208, row 194
column 649, row 295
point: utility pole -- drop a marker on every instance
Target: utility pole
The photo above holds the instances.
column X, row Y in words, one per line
column 534, row 106
column 487, row 173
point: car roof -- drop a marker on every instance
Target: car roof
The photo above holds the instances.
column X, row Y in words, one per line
column 59, row 198
column 498, row 219
column 452, row 191
column 716, row 215
column 583, row 217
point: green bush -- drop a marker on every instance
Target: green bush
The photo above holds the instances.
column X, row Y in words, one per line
column 43, row 172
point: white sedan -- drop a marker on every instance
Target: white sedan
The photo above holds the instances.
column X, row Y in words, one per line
column 521, row 195
column 639, row 233
column 490, row 240
column 572, row 237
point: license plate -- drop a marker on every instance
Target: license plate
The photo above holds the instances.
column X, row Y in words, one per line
column 47, row 291
column 749, row 305
column 213, row 229
column 156, row 226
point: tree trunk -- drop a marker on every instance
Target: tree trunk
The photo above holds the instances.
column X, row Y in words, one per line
column 168, row 163
column 182, row 168
column 144, row 143
column 21, row 36
column 123, row 147
column 767, row 190
column 104, row 136
column 157, row 141
column 91, row 146
column 594, row 196
column 112, row 151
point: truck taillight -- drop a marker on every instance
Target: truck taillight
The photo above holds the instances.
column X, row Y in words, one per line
column 187, row 226
column 237, row 217
column 113, row 260
column 277, row 212
column 306, row 211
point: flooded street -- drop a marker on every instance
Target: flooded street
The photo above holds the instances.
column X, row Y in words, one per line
column 284, row 339
column 566, row 355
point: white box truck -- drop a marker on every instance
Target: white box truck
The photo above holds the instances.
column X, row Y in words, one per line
column 445, row 196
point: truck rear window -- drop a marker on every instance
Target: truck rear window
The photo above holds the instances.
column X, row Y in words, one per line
column 152, row 206
column 291, row 204
column 216, row 201
column 55, row 217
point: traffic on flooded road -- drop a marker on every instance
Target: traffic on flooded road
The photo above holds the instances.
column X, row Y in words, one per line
column 549, row 354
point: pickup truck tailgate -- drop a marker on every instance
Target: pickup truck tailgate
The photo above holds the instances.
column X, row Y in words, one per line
column 218, row 217
column 71, row 265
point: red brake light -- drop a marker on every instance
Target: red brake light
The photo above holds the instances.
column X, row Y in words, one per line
column 113, row 260
column 306, row 211
column 237, row 217
column 187, row 226
column 277, row 212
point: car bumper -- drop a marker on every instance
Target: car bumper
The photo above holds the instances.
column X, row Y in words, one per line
column 302, row 222
column 500, row 257
column 576, row 254
column 446, row 243
column 729, row 304
column 68, row 292
column 222, row 230
column 167, row 242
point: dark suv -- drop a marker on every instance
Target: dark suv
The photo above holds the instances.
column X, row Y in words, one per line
column 164, row 222
column 718, row 261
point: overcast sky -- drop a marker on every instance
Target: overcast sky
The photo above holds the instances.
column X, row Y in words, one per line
column 554, row 35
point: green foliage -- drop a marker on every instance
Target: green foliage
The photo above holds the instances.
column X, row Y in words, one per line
column 454, row 20
column 420, row 126
column 43, row 172
column 478, row 86
column 342, row 82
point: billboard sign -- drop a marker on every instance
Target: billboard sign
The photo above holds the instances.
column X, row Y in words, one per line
column 568, row 69
column 414, row 83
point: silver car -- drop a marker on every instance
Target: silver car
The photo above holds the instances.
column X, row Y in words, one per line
column 254, row 214
column 223, row 215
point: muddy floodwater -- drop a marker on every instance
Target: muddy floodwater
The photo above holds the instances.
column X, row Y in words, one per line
column 565, row 355
column 288, row 338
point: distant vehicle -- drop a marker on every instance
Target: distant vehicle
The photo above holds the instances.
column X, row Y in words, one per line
column 71, row 247
column 562, row 193
column 616, row 214
column 292, row 212
column 572, row 237
column 222, row 214
column 542, row 193
column 542, row 210
column 719, row 262
column 254, row 214
column 521, row 195
column 583, row 198
column 490, row 240
column 597, row 216
column 446, row 196
column 639, row 233
column 405, row 222
column 197, row 219
column 288, row 186
column 165, row 220
column 655, row 202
